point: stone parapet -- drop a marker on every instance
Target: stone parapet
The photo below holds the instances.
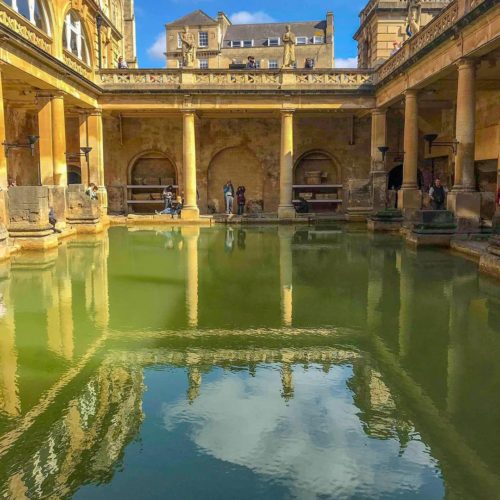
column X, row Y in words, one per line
column 83, row 213
column 388, row 220
column 28, row 220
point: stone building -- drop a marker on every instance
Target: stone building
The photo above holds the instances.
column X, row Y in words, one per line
column 221, row 43
column 68, row 115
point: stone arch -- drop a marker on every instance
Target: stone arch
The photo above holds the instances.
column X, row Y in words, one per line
column 150, row 168
column 74, row 174
column 320, row 161
column 242, row 167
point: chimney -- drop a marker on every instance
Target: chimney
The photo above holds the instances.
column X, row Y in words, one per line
column 329, row 27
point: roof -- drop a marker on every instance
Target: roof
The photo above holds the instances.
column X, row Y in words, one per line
column 196, row 18
column 259, row 33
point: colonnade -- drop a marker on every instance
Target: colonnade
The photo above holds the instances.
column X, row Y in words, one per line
column 463, row 199
column 51, row 110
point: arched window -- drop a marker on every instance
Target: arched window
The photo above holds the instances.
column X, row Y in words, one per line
column 33, row 10
column 74, row 39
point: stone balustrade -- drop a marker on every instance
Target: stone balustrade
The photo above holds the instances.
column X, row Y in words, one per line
column 441, row 24
column 171, row 79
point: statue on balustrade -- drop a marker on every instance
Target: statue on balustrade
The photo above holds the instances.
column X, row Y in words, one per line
column 414, row 17
column 289, row 48
column 188, row 48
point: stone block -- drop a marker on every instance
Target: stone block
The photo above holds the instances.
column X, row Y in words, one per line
column 4, row 240
column 359, row 194
column 388, row 220
column 379, row 190
column 417, row 240
column 28, row 209
column 409, row 200
column 286, row 212
column 57, row 200
column 431, row 228
column 467, row 210
column 82, row 212
column 3, row 207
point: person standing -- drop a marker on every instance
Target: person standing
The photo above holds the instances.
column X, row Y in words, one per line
column 240, row 199
column 438, row 195
column 229, row 197
column 167, row 195
column 122, row 64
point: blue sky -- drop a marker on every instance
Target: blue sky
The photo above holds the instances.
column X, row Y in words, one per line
column 152, row 15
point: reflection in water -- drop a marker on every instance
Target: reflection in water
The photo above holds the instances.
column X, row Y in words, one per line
column 303, row 363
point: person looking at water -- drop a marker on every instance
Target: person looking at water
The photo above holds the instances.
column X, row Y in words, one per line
column 438, row 195
column 229, row 196
column 53, row 220
column 91, row 191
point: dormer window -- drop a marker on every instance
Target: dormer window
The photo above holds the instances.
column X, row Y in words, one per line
column 273, row 41
column 247, row 43
column 236, row 43
column 301, row 40
column 319, row 39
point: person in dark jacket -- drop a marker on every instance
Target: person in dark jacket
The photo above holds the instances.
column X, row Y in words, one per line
column 438, row 195
column 240, row 199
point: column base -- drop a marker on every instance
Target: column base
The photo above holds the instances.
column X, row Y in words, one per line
column 379, row 190
column 286, row 212
column 190, row 213
column 409, row 201
column 467, row 209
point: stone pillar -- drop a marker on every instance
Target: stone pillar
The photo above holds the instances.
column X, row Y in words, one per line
column 410, row 196
column 286, row 274
column 190, row 210
column 45, row 144
column 286, row 209
column 96, row 159
column 84, row 141
column 58, row 141
column 4, row 182
column 378, row 173
column 191, row 235
column 464, row 200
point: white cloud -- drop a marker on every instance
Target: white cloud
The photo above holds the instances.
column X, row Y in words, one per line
column 346, row 62
column 157, row 50
column 245, row 17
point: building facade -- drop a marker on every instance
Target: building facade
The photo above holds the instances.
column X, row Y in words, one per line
column 68, row 115
column 221, row 43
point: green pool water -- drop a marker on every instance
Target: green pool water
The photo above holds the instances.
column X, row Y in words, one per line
column 228, row 363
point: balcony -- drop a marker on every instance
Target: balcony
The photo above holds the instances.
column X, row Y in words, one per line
column 314, row 80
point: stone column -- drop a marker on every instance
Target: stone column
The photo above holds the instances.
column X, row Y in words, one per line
column 410, row 196
column 84, row 141
column 285, row 234
column 45, row 144
column 4, row 182
column 59, row 141
column 464, row 200
column 96, row 159
column 191, row 235
column 378, row 173
column 190, row 210
column 286, row 209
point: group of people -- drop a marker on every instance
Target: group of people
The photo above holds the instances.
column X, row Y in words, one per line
column 172, row 206
column 229, row 196
column 252, row 63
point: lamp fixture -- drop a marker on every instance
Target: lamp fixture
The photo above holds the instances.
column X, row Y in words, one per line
column 431, row 140
column 99, row 22
column 385, row 150
column 32, row 140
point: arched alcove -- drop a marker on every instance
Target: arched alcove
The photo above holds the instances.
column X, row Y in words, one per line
column 146, row 171
column 242, row 167
column 317, row 161
column 74, row 174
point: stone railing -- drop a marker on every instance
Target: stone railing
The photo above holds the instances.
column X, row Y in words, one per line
column 446, row 19
column 169, row 79
column 24, row 28
column 77, row 65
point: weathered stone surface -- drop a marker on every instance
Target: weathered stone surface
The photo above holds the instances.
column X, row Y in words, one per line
column 57, row 200
column 388, row 220
column 431, row 228
column 4, row 235
column 83, row 213
column 467, row 210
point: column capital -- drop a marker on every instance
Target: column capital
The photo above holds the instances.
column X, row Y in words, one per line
column 412, row 93
column 379, row 111
column 188, row 111
column 95, row 112
column 467, row 63
column 287, row 111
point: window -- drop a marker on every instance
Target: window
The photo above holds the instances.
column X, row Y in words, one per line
column 203, row 63
column 247, row 43
column 273, row 41
column 179, row 63
column 257, row 64
column 319, row 39
column 179, row 41
column 273, row 64
column 301, row 40
column 203, row 39
column 74, row 39
column 33, row 11
column 235, row 43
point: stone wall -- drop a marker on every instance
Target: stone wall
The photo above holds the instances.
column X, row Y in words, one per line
column 245, row 150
